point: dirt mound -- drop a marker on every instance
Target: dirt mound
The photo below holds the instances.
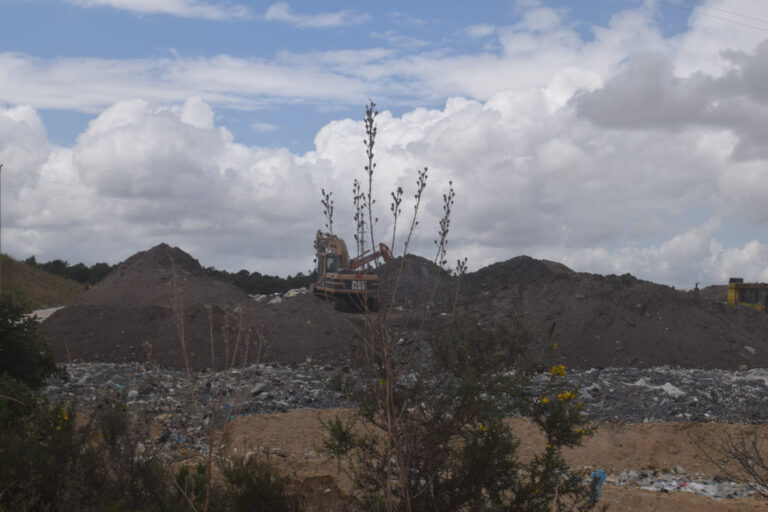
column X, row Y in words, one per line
column 129, row 317
column 618, row 320
column 421, row 281
column 147, row 279
column 601, row 320
column 717, row 292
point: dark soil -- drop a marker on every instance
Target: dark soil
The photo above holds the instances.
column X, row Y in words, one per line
column 600, row 320
column 129, row 317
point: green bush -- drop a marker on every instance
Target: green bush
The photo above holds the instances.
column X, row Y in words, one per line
column 250, row 484
column 448, row 442
column 25, row 354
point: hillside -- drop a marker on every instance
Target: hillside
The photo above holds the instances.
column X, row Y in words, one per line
column 36, row 288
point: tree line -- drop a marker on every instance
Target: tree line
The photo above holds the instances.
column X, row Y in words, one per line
column 250, row 282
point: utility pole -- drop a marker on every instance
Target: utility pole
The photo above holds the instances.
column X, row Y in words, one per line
column 1, row 229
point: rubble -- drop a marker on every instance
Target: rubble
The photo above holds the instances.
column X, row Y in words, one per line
column 717, row 487
column 183, row 409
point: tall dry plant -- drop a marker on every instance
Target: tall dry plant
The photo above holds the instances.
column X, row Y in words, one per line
column 240, row 343
column 327, row 202
column 370, row 131
column 433, row 438
column 358, row 200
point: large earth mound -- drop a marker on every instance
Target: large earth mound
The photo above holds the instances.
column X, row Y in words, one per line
column 618, row 320
column 600, row 320
column 131, row 316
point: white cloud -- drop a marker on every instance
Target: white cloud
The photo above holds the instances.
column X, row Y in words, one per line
column 608, row 154
column 479, row 31
column 92, row 84
column 399, row 40
column 528, row 180
column 281, row 11
column 406, row 19
column 262, row 127
column 180, row 8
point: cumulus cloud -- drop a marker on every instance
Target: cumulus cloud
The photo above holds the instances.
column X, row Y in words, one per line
column 589, row 152
column 180, row 8
column 528, row 181
column 139, row 175
column 281, row 11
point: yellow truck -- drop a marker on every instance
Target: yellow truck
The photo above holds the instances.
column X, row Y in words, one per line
column 754, row 295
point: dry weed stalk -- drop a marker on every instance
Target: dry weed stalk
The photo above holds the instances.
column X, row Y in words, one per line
column 740, row 457
column 406, row 458
column 379, row 350
column 218, row 390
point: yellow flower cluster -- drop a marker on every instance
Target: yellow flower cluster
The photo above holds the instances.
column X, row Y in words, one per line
column 544, row 400
column 564, row 397
column 557, row 371
column 62, row 417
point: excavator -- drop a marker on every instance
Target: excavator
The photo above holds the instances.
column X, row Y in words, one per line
column 347, row 281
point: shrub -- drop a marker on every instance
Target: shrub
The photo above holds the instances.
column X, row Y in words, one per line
column 434, row 436
column 453, row 449
column 250, row 484
column 25, row 354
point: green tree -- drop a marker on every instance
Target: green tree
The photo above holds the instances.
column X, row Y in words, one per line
column 25, row 354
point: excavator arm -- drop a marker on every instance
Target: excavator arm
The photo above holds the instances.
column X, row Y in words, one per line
column 366, row 258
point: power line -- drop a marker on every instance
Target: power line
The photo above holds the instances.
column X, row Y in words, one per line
column 726, row 11
column 698, row 10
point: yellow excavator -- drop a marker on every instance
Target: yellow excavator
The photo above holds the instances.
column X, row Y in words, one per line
column 754, row 295
column 347, row 281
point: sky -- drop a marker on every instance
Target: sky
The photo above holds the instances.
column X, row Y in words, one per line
column 614, row 136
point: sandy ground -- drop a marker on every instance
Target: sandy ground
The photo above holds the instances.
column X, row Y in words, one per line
column 293, row 440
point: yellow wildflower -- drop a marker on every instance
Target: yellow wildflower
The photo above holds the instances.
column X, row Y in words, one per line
column 544, row 400
column 557, row 371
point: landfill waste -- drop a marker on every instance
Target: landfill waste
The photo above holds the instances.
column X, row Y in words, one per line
column 712, row 487
column 182, row 408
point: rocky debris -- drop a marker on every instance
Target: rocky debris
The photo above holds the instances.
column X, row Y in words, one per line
column 679, row 480
column 672, row 394
column 630, row 395
column 182, row 410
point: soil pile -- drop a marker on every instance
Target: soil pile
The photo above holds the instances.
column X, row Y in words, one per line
column 602, row 321
column 129, row 317
column 618, row 320
column 421, row 282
